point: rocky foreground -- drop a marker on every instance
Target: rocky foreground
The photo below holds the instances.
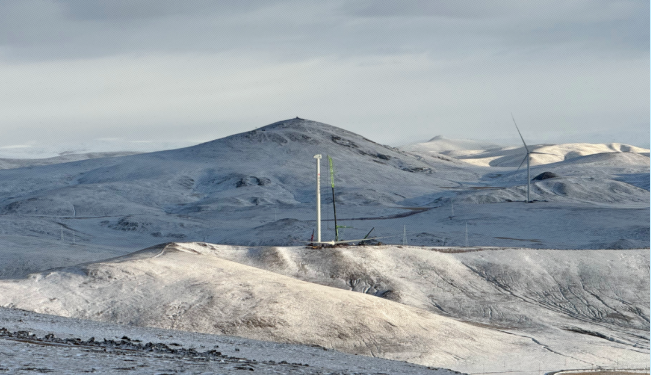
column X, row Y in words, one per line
column 37, row 343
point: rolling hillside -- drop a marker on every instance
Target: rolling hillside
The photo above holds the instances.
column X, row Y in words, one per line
column 257, row 188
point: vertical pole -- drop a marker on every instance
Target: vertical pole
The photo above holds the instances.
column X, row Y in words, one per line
column 466, row 234
column 452, row 206
column 334, row 206
column 318, row 197
column 528, row 179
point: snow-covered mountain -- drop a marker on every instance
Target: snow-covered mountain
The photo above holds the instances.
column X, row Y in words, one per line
column 447, row 146
column 270, row 165
column 258, row 187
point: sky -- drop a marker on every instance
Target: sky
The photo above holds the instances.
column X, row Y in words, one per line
column 183, row 72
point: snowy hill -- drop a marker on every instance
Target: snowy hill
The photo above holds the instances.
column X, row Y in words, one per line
column 510, row 157
column 55, row 344
column 270, row 165
column 446, row 146
column 397, row 309
column 486, row 154
column 10, row 163
column 257, row 188
column 45, row 150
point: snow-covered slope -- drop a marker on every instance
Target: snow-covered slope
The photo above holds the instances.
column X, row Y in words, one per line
column 257, row 188
column 512, row 157
column 519, row 288
column 539, row 307
column 191, row 289
column 8, row 163
column 50, row 150
column 188, row 192
column 488, row 155
column 446, row 146
column 53, row 344
column 563, row 189
column 271, row 165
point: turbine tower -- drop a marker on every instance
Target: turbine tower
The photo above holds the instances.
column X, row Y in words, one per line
column 527, row 159
column 318, row 197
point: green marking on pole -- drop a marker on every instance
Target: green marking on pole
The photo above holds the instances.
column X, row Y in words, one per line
column 332, row 172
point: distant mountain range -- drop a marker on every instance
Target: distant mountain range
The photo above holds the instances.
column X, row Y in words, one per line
column 42, row 150
column 492, row 155
column 11, row 163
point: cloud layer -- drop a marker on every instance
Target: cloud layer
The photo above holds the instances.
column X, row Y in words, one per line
column 197, row 70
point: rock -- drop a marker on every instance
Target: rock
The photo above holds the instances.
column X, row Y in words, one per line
column 544, row 176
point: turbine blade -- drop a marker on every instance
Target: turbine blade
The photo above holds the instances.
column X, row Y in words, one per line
column 516, row 126
column 523, row 160
column 543, row 153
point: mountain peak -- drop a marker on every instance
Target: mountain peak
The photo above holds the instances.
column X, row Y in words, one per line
column 294, row 123
column 301, row 124
column 296, row 130
column 437, row 138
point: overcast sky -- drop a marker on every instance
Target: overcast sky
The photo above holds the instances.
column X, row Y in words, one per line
column 393, row 71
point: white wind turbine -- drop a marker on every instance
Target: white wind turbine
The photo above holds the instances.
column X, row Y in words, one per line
column 527, row 159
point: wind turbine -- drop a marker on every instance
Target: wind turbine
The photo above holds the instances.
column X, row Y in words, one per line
column 527, row 159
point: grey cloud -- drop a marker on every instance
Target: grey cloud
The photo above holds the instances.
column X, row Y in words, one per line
column 384, row 61
column 80, row 29
column 426, row 8
column 589, row 27
column 299, row 30
column 117, row 10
